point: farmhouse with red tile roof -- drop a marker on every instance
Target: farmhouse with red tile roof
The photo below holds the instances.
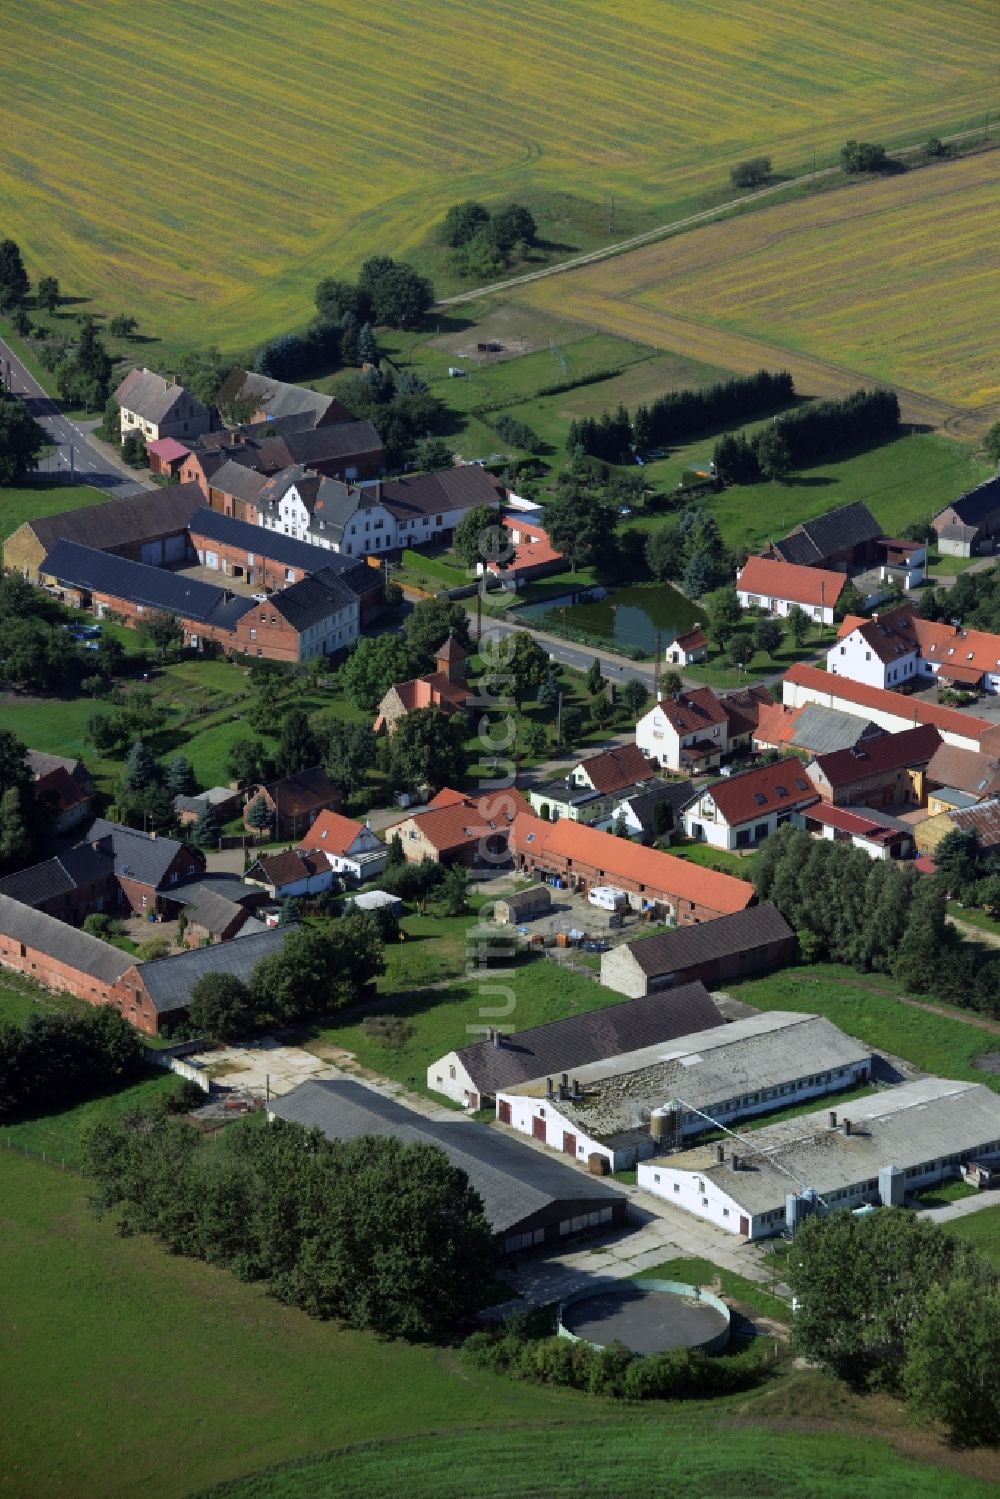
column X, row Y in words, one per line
column 778, row 586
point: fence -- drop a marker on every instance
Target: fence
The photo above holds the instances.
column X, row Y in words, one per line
column 171, row 1059
column 41, row 1155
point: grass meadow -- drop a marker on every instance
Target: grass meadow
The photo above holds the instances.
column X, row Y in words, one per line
column 337, row 130
column 138, row 1371
column 891, row 280
column 868, row 1007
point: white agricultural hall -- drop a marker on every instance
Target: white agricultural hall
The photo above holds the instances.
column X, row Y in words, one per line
column 730, row 1072
column 871, row 1150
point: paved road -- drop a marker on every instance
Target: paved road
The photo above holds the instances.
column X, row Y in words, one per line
column 674, row 227
column 92, row 463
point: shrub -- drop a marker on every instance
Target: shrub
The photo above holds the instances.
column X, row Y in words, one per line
column 751, row 173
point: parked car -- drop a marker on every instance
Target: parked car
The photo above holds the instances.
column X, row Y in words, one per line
column 596, row 945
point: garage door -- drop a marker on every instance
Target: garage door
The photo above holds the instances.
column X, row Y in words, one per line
column 152, row 553
column 175, row 548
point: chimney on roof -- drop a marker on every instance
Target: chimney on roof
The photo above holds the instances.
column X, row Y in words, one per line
column 734, row 1162
column 577, row 1090
column 495, row 1037
column 833, row 1118
column 720, row 1154
column 549, row 1089
column 847, row 1126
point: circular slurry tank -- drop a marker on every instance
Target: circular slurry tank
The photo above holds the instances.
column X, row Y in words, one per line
column 648, row 1316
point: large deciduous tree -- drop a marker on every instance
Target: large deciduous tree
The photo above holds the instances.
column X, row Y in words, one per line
column 482, row 538
column 427, row 747
column 21, row 439
column 374, row 664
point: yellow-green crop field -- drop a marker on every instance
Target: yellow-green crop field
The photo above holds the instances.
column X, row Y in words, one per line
column 896, row 280
column 201, row 163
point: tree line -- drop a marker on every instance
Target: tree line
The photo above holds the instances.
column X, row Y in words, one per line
column 681, row 415
column 371, row 1232
column 892, row 1302
column 63, row 1058
column 874, row 916
column 809, row 435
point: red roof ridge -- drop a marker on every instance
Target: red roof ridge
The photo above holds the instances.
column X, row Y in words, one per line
column 705, row 887
column 949, row 720
column 790, row 580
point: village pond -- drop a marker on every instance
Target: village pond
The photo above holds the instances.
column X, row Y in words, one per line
column 628, row 618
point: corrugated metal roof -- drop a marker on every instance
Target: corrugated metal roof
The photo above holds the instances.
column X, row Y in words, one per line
column 513, row 1181
column 902, row 1126
column 704, row 1070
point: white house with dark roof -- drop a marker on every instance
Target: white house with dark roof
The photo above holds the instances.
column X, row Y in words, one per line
column 501, row 1060
column 687, row 732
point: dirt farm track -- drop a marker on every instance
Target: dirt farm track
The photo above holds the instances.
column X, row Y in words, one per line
column 905, row 292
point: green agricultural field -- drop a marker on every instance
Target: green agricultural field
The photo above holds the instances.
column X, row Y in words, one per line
column 139, row 1371
column 339, row 130
column 866, row 1006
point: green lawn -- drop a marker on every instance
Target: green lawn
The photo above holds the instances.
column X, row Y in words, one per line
column 690, row 1451
column 973, row 916
column 20, row 998
column 59, row 1135
column 528, row 994
column 864, row 1005
column 982, row 1229
column 943, row 567
column 740, row 865
column 699, row 1272
column 30, row 501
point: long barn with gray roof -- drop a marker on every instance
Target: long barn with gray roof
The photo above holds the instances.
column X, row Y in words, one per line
column 530, row 1201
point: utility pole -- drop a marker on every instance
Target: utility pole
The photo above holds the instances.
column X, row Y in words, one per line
column 559, row 721
column 479, row 609
column 814, row 161
column 611, row 215
column 72, row 464
column 656, row 668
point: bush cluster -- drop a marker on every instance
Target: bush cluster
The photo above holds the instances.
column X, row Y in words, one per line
column 516, row 1348
column 65, row 1057
column 874, row 916
column 372, row 1232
